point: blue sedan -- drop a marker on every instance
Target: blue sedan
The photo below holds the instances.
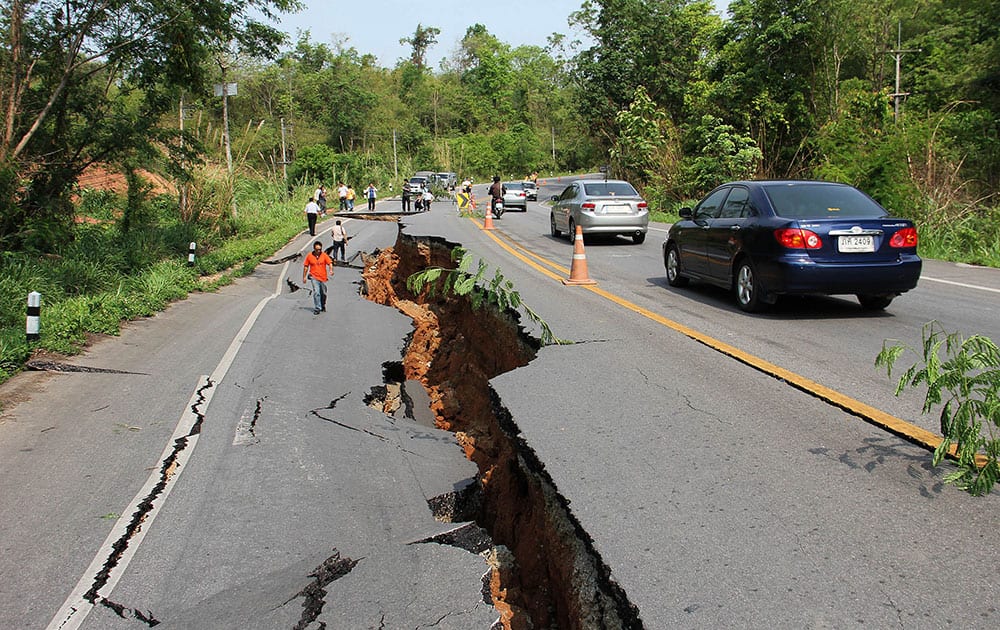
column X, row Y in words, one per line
column 763, row 239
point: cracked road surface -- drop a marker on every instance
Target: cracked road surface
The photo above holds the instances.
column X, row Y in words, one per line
column 283, row 482
column 711, row 495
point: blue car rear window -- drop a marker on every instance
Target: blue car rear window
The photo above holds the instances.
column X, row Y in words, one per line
column 609, row 189
column 811, row 201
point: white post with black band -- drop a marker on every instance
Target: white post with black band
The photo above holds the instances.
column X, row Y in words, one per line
column 32, row 325
column 191, row 249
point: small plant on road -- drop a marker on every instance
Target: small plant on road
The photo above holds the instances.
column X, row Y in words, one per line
column 462, row 282
column 967, row 380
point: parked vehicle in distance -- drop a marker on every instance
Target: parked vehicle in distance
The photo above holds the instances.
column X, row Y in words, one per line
column 600, row 207
column 446, row 180
column 514, row 197
column 763, row 239
column 415, row 185
column 531, row 191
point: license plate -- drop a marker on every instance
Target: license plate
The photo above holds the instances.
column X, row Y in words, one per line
column 852, row 244
column 616, row 209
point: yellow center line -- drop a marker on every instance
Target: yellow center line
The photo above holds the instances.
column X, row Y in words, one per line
column 877, row 417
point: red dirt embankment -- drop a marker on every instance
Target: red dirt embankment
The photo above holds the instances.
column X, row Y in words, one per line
column 100, row 177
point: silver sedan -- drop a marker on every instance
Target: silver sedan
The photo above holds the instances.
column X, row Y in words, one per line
column 600, row 207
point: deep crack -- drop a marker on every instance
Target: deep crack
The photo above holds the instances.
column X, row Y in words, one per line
column 167, row 470
column 333, row 568
column 552, row 575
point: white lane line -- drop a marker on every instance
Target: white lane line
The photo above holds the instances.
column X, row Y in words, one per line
column 960, row 284
column 131, row 527
column 125, row 537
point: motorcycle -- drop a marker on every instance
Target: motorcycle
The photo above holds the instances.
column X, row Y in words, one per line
column 497, row 208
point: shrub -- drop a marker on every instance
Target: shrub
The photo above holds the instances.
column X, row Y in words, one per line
column 967, row 381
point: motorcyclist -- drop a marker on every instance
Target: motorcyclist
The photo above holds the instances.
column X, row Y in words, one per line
column 497, row 191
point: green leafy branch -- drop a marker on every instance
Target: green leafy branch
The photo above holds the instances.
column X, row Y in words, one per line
column 967, row 380
column 462, row 282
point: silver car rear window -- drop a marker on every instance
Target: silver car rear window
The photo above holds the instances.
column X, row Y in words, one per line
column 609, row 189
column 817, row 201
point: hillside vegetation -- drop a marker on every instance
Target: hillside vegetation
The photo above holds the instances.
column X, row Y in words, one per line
column 667, row 93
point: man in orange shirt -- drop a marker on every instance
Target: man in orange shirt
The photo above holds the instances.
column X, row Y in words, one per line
column 317, row 269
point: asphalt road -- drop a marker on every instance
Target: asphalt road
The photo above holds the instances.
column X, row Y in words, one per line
column 716, row 495
column 287, row 469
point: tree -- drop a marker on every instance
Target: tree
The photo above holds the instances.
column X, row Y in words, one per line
column 764, row 73
column 87, row 81
column 645, row 150
column 659, row 44
column 422, row 39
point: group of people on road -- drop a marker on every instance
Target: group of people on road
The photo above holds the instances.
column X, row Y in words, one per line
column 316, row 206
column 423, row 199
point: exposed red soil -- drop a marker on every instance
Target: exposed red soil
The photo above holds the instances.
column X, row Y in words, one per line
column 101, row 177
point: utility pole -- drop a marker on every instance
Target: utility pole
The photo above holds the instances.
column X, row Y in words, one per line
column 224, row 65
column 183, row 196
column 284, row 155
column 183, row 113
column 395, row 163
column 898, row 54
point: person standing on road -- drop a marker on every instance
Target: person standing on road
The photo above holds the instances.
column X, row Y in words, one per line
column 340, row 239
column 320, row 198
column 350, row 198
column 312, row 212
column 342, row 194
column 371, row 193
column 316, row 270
column 428, row 198
column 406, row 199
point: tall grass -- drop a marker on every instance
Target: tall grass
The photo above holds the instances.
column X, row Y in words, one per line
column 104, row 276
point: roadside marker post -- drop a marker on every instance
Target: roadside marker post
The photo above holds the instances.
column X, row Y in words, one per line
column 32, row 323
column 191, row 249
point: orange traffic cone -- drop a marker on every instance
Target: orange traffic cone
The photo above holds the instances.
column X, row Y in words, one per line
column 488, row 222
column 578, row 273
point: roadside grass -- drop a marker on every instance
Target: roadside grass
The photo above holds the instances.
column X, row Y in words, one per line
column 105, row 276
column 972, row 239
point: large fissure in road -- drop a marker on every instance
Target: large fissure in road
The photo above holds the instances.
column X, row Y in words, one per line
column 546, row 573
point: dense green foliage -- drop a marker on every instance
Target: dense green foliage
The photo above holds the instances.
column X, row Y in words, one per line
column 671, row 95
column 105, row 276
column 87, row 82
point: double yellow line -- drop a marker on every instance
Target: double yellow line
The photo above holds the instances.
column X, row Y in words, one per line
column 906, row 430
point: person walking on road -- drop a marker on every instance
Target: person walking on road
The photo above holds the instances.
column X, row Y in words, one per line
column 312, row 212
column 428, row 197
column 317, row 269
column 342, row 194
column 371, row 193
column 340, row 239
